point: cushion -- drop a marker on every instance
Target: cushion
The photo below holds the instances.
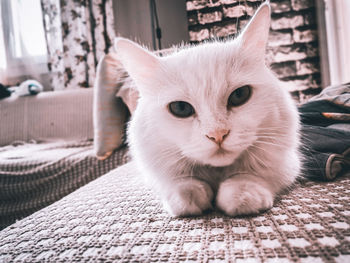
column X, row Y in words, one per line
column 48, row 115
column 110, row 114
column 116, row 218
column 34, row 175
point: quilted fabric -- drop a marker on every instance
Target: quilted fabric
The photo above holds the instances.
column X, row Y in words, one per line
column 116, row 218
column 34, row 175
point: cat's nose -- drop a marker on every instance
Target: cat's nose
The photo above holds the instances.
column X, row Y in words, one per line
column 218, row 136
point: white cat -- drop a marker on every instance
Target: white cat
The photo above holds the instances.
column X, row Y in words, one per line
column 213, row 125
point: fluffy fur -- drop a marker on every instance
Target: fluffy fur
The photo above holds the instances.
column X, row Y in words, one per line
column 257, row 159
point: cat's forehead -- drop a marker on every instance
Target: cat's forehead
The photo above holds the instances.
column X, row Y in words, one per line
column 208, row 56
column 208, row 70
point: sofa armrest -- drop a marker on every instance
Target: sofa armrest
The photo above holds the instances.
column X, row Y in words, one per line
column 48, row 115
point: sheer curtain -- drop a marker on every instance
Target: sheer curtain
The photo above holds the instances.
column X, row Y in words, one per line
column 22, row 40
column 337, row 15
column 58, row 40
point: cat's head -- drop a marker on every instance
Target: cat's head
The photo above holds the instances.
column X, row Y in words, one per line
column 209, row 102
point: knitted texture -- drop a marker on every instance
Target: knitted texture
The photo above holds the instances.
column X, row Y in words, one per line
column 34, row 175
column 116, row 218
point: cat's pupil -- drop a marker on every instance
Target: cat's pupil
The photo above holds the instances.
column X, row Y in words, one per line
column 239, row 96
column 182, row 106
column 181, row 109
column 239, row 93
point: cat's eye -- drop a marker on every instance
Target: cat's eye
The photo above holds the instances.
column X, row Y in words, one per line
column 239, row 96
column 181, row 109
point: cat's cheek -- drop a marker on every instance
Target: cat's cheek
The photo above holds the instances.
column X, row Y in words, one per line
column 176, row 131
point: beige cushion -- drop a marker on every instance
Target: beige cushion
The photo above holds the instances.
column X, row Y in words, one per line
column 116, row 218
column 109, row 112
column 49, row 115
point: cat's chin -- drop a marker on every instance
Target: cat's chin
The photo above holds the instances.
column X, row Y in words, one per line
column 220, row 159
column 219, row 162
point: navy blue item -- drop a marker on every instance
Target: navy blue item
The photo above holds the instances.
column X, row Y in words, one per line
column 4, row 92
column 325, row 134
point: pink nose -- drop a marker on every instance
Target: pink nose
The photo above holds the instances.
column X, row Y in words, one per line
column 218, row 136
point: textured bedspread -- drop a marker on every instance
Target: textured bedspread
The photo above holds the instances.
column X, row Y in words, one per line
column 34, row 175
column 116, row 218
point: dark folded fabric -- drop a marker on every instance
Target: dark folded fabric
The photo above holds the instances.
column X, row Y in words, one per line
column 326, row 152
column 324, row 113
column 326, row 134
column 4, row 92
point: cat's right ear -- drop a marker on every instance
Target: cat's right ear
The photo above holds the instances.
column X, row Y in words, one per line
column 255, row 35
column 141, row 64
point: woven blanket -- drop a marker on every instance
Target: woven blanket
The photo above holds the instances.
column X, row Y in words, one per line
column 34, row 175
column 116, row 218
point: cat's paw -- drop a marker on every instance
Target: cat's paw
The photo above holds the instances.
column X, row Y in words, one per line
column 239, row 197
column 189, row 197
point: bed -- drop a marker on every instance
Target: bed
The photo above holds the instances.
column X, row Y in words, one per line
column 60, row 203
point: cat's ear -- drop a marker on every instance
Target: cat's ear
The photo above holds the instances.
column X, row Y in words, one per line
column 255, row 35
column 137, row 61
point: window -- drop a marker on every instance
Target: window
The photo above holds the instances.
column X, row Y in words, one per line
column 337, row 15
column 22, row 39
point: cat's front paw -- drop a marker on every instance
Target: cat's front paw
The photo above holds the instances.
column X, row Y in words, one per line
column 239, row 197
column 188, row 197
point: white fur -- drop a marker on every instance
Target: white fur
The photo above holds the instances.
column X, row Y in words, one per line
column 260, row 155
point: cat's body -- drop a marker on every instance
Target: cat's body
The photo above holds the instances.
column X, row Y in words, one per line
column 235, row 142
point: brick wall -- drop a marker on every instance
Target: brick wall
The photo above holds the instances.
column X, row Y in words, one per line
column 292, row 51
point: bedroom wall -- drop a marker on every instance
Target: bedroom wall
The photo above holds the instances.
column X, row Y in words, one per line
column 133, row 20
column 292, row 53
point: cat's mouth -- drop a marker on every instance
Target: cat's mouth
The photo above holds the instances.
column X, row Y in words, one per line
column 221, row 151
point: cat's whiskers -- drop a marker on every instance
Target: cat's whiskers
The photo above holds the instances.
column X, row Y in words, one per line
column 280, row 145
column 272, row 130
column 258, row 159
column 277, row 130
column 263, row 150
column 272, row 136
column 255, row 136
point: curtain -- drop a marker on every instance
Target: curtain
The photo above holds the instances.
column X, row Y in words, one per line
column 78, row 33
column 22, row 50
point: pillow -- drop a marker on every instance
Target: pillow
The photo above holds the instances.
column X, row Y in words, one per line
column 47, row 116
column 115, row 97
column 110, row 114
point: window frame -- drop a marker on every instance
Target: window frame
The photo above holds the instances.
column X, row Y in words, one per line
column 17, row 67
column 333, row 38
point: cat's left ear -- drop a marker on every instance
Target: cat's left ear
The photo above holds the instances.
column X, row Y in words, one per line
column 138, row 61
column 255, row 35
